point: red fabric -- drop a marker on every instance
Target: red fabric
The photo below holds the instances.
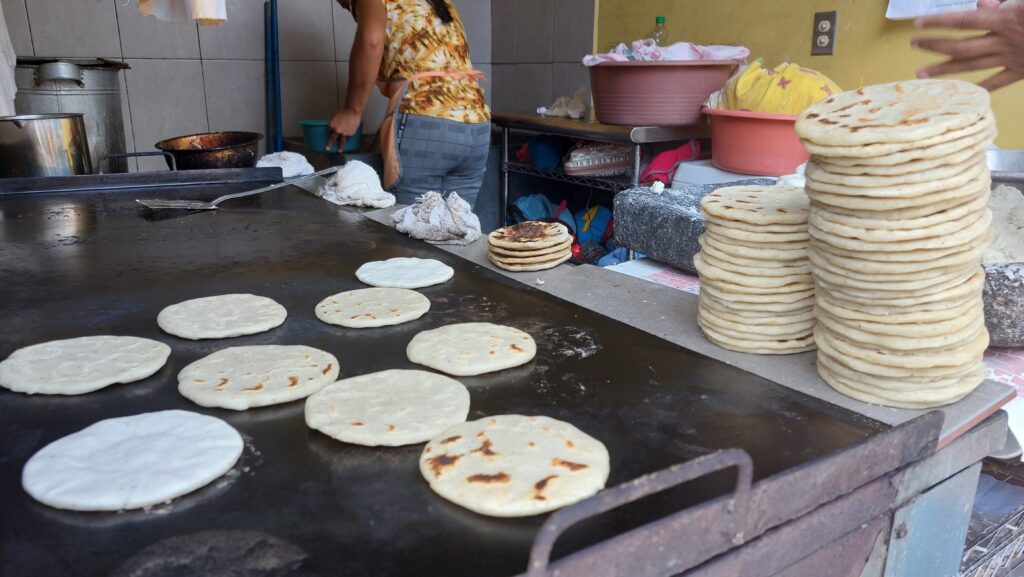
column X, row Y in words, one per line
column 523, row 154
column 664, row 166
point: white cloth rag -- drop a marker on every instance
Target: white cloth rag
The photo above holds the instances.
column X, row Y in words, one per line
column 438, row 220
column 7, row 62
column 356, row 184
column 205, row 12
column 646, row 50
column 291, row 163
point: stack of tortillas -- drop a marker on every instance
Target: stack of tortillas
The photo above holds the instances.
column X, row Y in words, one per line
column 899, row 188
column 529, row 246
column 756, row 289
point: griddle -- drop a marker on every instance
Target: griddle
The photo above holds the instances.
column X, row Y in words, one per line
column 83, row 259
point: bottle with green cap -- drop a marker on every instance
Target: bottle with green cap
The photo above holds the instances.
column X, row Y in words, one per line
column 660, row 32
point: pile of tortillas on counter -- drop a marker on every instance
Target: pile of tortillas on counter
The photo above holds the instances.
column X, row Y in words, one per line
column 501, row 465
column 756, row 287
column 529, row 246
column 899, row 188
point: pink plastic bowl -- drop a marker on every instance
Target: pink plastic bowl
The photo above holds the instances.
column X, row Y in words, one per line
column 655, row 93
column 755, row 143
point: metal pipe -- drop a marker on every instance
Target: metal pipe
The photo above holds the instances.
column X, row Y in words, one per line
column 268, row 65
column 505, row 174
column 636, row 165
column 278, row 129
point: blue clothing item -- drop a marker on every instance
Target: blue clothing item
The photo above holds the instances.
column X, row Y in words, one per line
column 440, row 155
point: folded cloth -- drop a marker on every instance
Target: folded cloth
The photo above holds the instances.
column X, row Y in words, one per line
column 647, row 50
column 785, row 89
column 356, row 184
column 438, row 220
column 291, row 163
column 205, row 12
column 7, row 61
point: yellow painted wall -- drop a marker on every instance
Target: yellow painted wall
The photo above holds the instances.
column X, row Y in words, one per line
column 869, row 48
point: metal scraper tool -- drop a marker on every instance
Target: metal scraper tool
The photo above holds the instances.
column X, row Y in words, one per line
column 310, row 182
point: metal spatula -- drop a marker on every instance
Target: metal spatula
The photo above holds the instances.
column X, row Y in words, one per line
column 309, row 182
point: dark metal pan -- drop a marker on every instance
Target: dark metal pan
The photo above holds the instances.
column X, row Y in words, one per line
column 213, row 150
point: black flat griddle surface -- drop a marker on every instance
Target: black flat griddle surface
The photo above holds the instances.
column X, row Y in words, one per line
column 89, row 263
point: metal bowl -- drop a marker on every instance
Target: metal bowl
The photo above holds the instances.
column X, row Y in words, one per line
column 213, row 150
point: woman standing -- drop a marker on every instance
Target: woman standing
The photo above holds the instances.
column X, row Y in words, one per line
column 437, row 132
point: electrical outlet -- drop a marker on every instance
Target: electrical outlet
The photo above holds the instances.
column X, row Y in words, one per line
column 823, row 37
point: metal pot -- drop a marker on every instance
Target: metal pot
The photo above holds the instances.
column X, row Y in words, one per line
column 91, row 86
column 43, row 145
column 213, row 150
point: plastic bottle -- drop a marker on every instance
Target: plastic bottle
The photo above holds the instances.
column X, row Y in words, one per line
column 660, row 32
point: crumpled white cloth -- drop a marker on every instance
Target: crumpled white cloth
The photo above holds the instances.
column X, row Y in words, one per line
column 438, row 220
column 291, row 163
column 356, row 184
column 647, row 50
column 564, row 107
column 7, row 61
column 205, row 12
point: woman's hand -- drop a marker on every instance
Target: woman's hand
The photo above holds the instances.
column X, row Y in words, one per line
column 1002, row 45
column 343, row 125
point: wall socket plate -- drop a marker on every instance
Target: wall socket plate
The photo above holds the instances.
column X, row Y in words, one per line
column 823, row 37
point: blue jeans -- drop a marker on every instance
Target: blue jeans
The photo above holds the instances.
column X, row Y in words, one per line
column 440, row 155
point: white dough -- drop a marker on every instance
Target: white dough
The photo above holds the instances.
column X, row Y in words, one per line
column 132, row 462
column 81, row 365
column 1007, row 206
column 404, row 272
column 390, row 408
column 372, row 307
column 221, row 316
column 514, row 465
column 466, row 349
column 240, row 378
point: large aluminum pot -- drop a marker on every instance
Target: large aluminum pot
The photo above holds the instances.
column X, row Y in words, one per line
column 91, row 86
column 43, row 145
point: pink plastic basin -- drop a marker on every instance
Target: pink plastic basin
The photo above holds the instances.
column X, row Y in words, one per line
column 655, row 93
column 755, row 143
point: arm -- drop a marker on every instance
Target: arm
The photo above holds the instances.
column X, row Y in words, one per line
column 1002, row 45
column 367, row 52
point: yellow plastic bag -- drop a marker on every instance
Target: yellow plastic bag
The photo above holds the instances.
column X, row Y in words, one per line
column 785, row 89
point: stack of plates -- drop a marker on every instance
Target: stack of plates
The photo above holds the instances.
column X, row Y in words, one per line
column 529, row 246
column 756, row 287
column 899, row 188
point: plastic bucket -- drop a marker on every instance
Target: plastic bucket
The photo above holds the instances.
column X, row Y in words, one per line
column 755, row 143
column 315, row 134
column 655, row 93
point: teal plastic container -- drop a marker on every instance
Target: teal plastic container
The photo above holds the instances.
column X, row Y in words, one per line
column 315, row 133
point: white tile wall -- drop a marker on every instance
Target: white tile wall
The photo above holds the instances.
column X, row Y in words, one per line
column 16, row 18
column 187, row 78
column 167, row 100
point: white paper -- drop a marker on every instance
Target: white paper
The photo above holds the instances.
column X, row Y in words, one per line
column 904, row 9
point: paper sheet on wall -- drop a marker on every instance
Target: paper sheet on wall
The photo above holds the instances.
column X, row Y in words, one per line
column 904, row 9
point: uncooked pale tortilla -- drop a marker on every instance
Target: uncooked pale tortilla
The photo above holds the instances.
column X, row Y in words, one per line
column 81, row 365
column 389, row 408
column 239, row 378
column 221, row 316
column 372, row 307
column 467, row 349
column 514, row 465
column 404, row 272
column 132, row 462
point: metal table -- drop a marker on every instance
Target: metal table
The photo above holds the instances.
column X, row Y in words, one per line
column 83, row 259
column 636, row 136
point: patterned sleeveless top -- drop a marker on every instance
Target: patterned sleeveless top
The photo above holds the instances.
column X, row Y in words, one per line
column 418, row 41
